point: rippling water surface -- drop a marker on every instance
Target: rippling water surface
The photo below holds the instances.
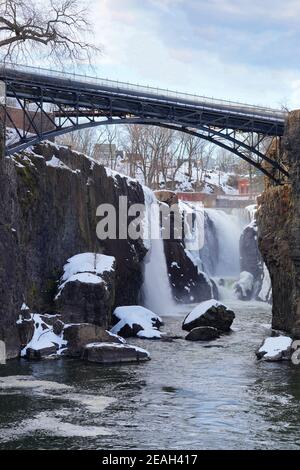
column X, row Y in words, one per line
column 189, row 396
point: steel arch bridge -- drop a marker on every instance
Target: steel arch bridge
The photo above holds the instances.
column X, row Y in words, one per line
column 55, row 103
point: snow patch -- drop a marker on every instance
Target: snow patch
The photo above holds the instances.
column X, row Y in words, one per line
column 57, row 163
column 273, row 347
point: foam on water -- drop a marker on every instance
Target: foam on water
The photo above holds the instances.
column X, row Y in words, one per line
column 40, row 388
column 51, row 423
column 27, row 381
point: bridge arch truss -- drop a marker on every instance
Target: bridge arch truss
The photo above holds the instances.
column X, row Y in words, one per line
column 55, row 106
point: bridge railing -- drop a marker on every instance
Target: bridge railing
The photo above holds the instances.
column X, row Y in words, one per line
column 149, row 90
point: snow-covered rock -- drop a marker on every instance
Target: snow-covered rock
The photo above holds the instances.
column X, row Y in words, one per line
column 244, row 286
column 86, row 268
column 44, row 341
column 276, row 348
column 77, row 336
column 66, row 340
column 210, row 313
column 109, row 353
column 86, row 291
column 135, row 320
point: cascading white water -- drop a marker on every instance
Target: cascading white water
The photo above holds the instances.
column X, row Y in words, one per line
column 228, row 228
column 157, row 293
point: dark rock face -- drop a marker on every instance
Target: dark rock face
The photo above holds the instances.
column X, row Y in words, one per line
column 114, row 353
column 26, row 331
column 187, row 284
column 78, row 336
column 203, row 333
column 58, row 327
column 128, row 331
column 279, row 240
column 89, row 303
column 217, row 317
column 211, row 245
column 47, row 215
column 250, row 257
column 37, row 355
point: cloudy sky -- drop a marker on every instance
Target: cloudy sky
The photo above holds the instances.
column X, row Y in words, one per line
column 233, row 49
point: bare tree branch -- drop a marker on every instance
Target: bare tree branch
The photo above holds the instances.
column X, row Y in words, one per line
column 55, row 28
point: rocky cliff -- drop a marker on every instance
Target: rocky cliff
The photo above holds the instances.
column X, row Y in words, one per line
column 48, row 202
column 48, row 205
column 189, row 283
column 278, row 234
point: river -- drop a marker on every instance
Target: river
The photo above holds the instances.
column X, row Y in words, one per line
column 189, row 396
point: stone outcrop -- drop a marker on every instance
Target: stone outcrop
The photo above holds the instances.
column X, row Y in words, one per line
column 210, row 313
column 250, row 257
column 203, row 333
column 87, row 289
column 48, row 203
column 135, row 320
column 279, row 234
column 104, row 353
column 278, row 242
column 78, row 336
column 276, row 348
column 279, row 229
column 188, row 283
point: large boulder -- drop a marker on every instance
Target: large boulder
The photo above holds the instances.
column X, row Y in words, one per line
column 43, row 341
column 203, row 333
column 77, row 336
column 209, row 313
column 38, row 354
column 135, row 320
column 276, row 348
column 87, row 289
column 109, row 353
column 187, row 282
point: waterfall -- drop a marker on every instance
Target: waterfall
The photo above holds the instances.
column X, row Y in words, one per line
column 156, row 290
column 228, row 228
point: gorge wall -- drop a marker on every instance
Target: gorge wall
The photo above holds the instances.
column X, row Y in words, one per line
column 48, row 214
column 48, row 203
column 279, row 234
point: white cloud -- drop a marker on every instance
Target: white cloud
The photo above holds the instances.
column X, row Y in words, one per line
column 136, row 50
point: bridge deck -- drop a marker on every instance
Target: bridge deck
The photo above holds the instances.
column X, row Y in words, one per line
column 65, row 102
column 220, row 113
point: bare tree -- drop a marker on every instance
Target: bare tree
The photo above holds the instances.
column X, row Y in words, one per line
column 56, row 28
column 84, row 140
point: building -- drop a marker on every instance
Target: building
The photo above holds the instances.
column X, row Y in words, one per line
column 105, row 152
column 244, row 186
